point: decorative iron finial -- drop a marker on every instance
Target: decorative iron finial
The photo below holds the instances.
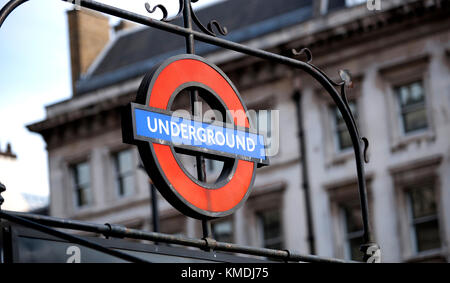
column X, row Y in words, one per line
column 346, row 78
column 366, row 148
column 222, row 30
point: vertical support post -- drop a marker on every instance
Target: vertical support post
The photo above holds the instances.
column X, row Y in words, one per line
column 305, row 177
column 206, row 226
column 370, row 251
column 155, row 213
column 190, row 49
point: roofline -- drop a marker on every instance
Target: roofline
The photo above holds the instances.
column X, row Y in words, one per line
column 109, row 45
column 268, row 26
column 255, row 35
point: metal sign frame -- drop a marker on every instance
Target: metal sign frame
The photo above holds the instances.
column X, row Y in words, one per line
column 190, row 195
column 370, row 250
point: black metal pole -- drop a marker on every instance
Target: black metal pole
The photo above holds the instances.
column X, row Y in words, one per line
column 153, row 202
column 206, row 227
column 155, row 213
column 304, row 168
column 200, row 160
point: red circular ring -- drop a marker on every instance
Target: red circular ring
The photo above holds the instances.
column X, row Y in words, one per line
column 229, row 196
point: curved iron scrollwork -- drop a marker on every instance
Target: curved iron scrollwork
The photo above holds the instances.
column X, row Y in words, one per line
column 209, row 29
column 160, row 7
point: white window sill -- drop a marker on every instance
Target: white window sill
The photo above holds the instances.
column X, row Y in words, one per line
column 427, row 256
column 418, row 136
column 341, row 157
column 83, row 210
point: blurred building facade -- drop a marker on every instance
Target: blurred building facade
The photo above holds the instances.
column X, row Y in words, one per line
column 400, row 61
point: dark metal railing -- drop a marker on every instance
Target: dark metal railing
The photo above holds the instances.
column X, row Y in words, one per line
column 118, row 231
column 369, row 249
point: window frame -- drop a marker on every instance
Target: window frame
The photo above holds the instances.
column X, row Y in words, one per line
column 348, row 236
column 117, row 174
column 332, row 155
column 340, row 193
column 401, row 73
column 325, row 5
column 336, row 126
column 401, row 110
column 221, row 221
column 76, row 186
column 263, row 198
column 260, row 227
column 413, row 222
column 416, row 173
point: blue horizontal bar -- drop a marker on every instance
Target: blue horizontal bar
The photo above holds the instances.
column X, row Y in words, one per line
column 194, row 134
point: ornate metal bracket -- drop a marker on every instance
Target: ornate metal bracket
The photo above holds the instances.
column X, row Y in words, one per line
column 209, row 36
column 208, row 29
column 346, row 81
column 340, row 98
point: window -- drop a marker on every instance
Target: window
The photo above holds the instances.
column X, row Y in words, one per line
column 350, row 3
column 423, row 218
column 337, row 4
column 346, row 217
column 353, row 229
column 270, row 228
column 82, row 184
column 411, row 99
column 343, row 140
column 417, row 188
column 223, row 231
column 173, row 224
column 125, row 168
column 408, row 100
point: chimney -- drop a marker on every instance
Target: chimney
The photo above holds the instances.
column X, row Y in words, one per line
column 88, row 35
column 124, row 25
column 8, row 152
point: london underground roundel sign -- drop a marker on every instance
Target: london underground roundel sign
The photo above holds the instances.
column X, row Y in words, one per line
column 161, row 135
